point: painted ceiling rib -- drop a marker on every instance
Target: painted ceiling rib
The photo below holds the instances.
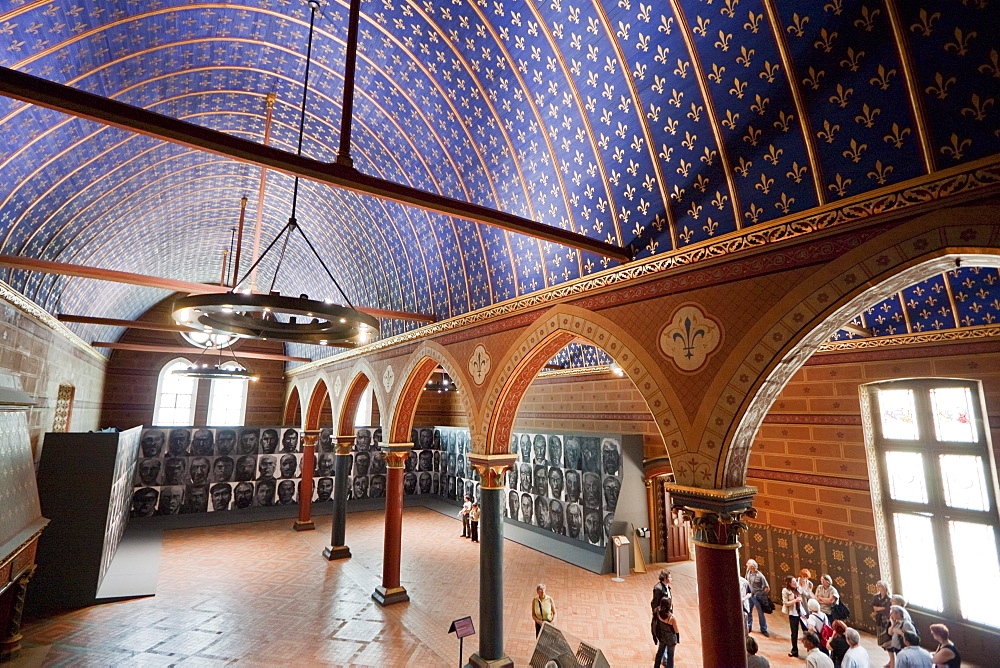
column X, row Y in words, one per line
column 131, row 324
column 66, row 269
column 75, row 102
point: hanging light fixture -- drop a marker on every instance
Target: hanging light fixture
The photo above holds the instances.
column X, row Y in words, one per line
column 273, row 315
column 218, row 371
column 444, row 384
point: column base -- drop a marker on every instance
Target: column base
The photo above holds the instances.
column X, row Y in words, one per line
column 10, row 648
column 385, row 597
column 480, row 662
column 334, row 552
column 304, row 526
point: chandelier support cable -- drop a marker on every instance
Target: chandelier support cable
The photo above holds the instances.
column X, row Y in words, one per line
column 284, row 246
column 343, row 294
column 261, row 256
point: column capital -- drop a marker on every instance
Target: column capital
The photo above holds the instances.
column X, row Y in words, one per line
column 715, row 514
column 396, row 454
column 309, row 438
column 491, row 468
column 344, row 445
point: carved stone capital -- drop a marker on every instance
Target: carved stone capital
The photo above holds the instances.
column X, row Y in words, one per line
column 344, row 445
column 396, row 454
column 309, row 438
column 491, row 468
column 716, row 515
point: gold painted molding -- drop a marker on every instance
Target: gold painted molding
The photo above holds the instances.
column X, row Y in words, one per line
column 923, row 338
column 897, row 198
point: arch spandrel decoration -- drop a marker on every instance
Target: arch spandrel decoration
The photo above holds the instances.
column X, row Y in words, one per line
column 418, row 369
column 810, row 314
column 550, row 332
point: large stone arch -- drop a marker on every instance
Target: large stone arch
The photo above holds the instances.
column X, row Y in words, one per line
column 361, row 375
column 318, row 400
column 791, row 331
column 541, row 340
column 419, row 367
column 292, row 415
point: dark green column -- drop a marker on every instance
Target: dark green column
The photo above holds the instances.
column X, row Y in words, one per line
column 491, row 472
column 337, row 549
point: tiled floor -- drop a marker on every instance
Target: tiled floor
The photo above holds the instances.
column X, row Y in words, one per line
column 261, row 594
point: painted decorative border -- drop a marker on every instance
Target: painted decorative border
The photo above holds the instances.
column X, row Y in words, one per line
column 30, row 308
column 939, row 336
column 809, row 479
column 912, row 193
column 578, row 371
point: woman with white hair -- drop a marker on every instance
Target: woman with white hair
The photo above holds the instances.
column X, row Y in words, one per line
column 881, row 602
column 759, row 589
column 816, row 621
column 899, row 623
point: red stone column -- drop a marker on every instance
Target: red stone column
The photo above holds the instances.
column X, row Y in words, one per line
column 716, row 516
column 305, row 523
column 390, row 591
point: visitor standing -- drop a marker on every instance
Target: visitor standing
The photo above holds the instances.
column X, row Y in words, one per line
column 857, row 656
column 754, row 660
column 666, row 635
column 543, row 608
column 464, row 514
column 791, row 605
column 759, row 589
column 474, row 514
column 946, row 655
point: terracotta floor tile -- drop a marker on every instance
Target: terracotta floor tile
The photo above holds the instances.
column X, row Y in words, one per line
column 262, row 595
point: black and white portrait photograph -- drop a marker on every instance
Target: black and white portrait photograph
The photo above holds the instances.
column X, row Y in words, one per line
column 290, row 440
column 362, row 462
column 571, row 452
column 513, row 505
column 148, row 471
column 249, row 442
column 590, row 448
column 175, row 471
column 246, row 468
column 593, row 526
column 203, row 442
column 611, row 457
column 540, row 484
column 538, row 450
column 592, row 491
column 263, row 494
column 359, row 487
column 542, row 512
column 555, row 450
column 286, row 493
column 243, row 495
column 325, row 463
column 195, row 499
column 222, row 496
column 377, row 487
column 269, row 441
column 144, row 502
column 171, row 500
column 612, row 488
column 288, row 466
column 223, row 469
column 324, row 490
column 557, row 517
column 527, row 508
column 199, row 469
column 409, row 483
column 573, row 486
column 266, row 467
column 225, row 443
column 151, row 442
column 574, row 520
column 179, row 442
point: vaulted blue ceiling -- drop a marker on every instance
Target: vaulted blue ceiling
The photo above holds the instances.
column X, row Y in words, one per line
column 657, row 125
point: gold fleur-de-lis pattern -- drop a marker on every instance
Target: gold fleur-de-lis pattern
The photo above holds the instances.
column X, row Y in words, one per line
column 651, row 125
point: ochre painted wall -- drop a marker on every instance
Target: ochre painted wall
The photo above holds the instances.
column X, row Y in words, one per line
column 808, row 463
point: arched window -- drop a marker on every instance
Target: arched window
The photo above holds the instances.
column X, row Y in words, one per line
column 934, row 492
column 227, row 401
column 175, row 396
column 363, row 416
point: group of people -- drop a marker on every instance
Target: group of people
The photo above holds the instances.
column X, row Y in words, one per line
column 898, row 636
column 470, row 514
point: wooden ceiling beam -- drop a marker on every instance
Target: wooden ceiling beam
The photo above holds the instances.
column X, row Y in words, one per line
column 81, row 271
column 131, row 324
column 83, row 104
column 189, row 350
column 857, row 331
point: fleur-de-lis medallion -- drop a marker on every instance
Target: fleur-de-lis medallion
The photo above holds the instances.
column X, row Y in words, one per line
column 690, row 337
column 479, row 364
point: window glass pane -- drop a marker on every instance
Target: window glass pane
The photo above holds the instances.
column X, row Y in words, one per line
column 964, row 482
column 977, row 571
column 953, row 416
column 898, row 414
column 226, row 403
column 917, row 556
column 905, row 471
column 176, row 397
